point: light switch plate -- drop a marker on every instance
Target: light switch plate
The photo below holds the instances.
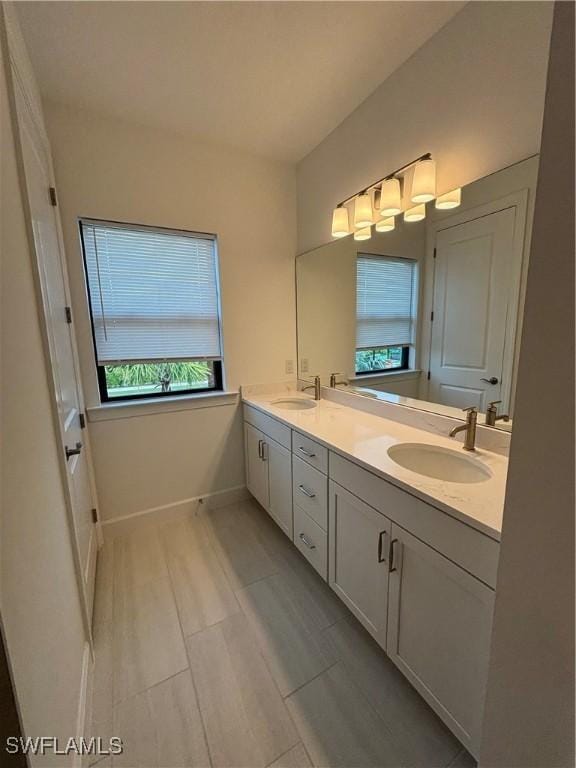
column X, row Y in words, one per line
column 289, row 366
column 304, row 365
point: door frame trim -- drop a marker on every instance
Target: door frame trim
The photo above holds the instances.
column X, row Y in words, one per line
column 520, row 253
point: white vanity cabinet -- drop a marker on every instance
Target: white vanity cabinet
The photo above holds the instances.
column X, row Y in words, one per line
column 439, row 625
column 359, row 540
column 418, row 579
column 256, row 469
column 269, row 467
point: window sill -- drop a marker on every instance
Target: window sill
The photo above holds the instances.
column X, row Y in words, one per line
column 383, row 375
column 129, row 409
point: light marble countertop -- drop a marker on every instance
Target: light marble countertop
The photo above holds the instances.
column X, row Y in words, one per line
column 365, row 438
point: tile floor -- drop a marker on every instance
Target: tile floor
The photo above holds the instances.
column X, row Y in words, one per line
column 218, row 645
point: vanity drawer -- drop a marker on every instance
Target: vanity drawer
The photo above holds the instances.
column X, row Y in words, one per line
column 310, row 491
column 312, row 541
column 274, row 429
column 467, row 547
column 311, row 451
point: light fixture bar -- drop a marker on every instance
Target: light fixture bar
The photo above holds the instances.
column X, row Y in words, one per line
column 427, row 156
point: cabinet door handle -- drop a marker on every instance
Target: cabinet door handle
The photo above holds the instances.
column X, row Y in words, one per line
column 260, row 449
column 306, row 492
column 307, row 542
column 264, row 450
column 392, row 564
column 306, row 453
column 381, row 558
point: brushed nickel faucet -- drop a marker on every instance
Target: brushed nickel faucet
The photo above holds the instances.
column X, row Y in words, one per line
column 334, row 383
column 492, row 414
column 469, row 426
column 315, row 387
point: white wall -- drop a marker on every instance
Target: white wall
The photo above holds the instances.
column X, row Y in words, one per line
column 529, row 719
column 472, row 95
column 39, row 601
column 113, row 170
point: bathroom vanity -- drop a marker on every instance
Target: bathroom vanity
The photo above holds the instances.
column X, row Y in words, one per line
column 413, row 556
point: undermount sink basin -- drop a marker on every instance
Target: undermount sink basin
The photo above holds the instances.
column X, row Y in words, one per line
column 440, row 463
column 294, row 404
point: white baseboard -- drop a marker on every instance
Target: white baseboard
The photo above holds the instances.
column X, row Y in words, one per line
column 177, row 510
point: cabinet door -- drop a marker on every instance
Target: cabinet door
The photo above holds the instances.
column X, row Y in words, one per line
column 256, row 467
column 279, row 462
column 358, row 539
column 439, row 626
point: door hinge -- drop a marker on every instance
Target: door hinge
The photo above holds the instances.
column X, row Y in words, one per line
column 82, row 420
column 94, row 515
column 53, row 199
column 434, row 252
column 428, row 377
column 432, row 316
column 68, row 312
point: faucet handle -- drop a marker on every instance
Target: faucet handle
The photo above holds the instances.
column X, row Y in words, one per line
column 494, row 402
column 471, row 409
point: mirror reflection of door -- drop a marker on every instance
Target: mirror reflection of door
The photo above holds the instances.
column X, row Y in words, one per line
column 471, row 291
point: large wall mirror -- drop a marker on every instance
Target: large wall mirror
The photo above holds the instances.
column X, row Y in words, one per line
column 428, row 315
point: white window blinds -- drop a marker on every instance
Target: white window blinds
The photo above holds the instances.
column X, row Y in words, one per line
column 153, row 293
column 384, row 301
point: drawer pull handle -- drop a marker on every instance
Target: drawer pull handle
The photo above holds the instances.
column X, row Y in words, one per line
column 381, row 558
column 307, row 542
column 307, row 453
column 306, row 492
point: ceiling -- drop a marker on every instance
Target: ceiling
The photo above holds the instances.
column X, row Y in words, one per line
column 272, row 78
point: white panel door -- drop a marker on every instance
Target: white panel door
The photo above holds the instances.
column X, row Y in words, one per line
column 358, row 540
column 472, row 274
column 54, row 288
column 256, row 467
column 439, row 627
column 279, row 461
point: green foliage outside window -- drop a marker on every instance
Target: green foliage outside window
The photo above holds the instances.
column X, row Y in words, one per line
column 162, row 377
column 379, row 359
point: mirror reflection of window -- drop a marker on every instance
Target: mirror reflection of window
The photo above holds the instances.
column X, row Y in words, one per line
column 385, row 312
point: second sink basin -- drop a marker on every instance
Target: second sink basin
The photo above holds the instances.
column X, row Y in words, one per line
column 440, row 463
column 294, row 404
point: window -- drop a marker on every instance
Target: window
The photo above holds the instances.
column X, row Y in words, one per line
column 154, row 305
column 385, row 298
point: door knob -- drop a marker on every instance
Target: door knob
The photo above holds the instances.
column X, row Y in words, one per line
column 491, row 380
column 73, row 451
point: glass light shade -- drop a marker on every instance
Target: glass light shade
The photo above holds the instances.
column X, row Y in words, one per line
column 386, row 225
column 363, row 210
column 340, row 225
column 449, row 200
column 390, row 198
column 424, row 181
column 363, row 234
column 415, row 214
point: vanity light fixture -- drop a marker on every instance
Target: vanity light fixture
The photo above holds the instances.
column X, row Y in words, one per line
column 340, row 224
column 363, row 210
column 417, row 213
column 449, row 200
column 363, row 234
column 390, row 197
column 385, row 225
column 387, row 193
column 424, row 181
